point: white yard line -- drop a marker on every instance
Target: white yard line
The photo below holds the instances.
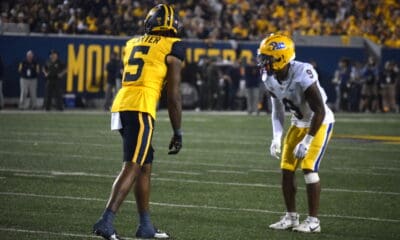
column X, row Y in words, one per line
column 64, row 234
column 184, row 172
column 33, row 175
column 262, row 185
column 227, row 171
column 33, row 195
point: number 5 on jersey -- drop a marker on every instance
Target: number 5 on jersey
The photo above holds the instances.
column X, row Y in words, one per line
column 135, row 63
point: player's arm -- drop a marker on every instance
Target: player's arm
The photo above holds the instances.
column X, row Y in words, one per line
column 174, row 101
column 278, row 118
column 63, row 71
column 44, row 69
column 314, row 100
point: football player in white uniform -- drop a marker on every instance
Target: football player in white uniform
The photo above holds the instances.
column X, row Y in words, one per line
column 294, row 85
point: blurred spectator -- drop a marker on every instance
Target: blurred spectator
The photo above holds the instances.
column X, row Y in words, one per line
column 216, row 19
column 190, row 74
column 54, row 70
column 29, row 70
column 369, row 91
column 114, row 75
column 1, row 83
column 252, row 78
column 212, row 76
column 235, row 75
column 341, row 80
column 355, row 86
column 224, row 85
column 388, row 80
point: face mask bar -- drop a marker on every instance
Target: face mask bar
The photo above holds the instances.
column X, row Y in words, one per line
column 265, row 62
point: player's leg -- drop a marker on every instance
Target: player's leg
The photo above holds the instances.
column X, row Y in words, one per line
column 310, row 166
column 289, row 188
column 135, row 135
column 142, row 189
column 122, row 185
column 24, row 93
column 48, row 95
column 313, row 187
column 32, row 93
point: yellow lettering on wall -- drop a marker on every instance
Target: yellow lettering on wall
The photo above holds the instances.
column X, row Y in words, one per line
column 94, row 64
column 246, row 54
column 212, row 52
column 188, row 57
column 197, row 53
column 75, row 66
column 229, row 54
column 106, row 60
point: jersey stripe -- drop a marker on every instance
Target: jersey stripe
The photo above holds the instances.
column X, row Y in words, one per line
column 139, row 139
column 149, row 134
column 328, row 135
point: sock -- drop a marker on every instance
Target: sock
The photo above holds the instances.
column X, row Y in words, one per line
column 108, row 216
column 144, row 218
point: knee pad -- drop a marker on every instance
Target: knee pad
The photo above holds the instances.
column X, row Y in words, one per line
column 311, row 178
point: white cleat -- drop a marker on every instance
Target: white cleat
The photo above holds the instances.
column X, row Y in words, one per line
column 310, row 225
column 286, row 222
column 160, row 234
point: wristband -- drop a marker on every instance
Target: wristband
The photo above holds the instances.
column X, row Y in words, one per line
column 178, row 132
column 308, row 139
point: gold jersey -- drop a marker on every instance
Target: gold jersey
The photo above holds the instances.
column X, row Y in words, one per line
column 145, row 69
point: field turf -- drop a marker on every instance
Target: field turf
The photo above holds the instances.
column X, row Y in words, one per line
column 56, row 171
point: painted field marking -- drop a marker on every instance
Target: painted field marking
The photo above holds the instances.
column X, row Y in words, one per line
column 227, row 171
column 64, row 234
column 261, row 185
column 183, row 172
column 194, row 206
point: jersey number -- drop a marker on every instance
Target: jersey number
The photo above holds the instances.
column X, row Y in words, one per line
column 293, row 108
column 135, row 61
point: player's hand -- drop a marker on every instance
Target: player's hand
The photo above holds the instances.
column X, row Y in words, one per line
column 176, row 144
column 275, row 148
column 300, row 151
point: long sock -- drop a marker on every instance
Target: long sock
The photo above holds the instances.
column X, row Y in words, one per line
column 108, row 216
column 144, row 218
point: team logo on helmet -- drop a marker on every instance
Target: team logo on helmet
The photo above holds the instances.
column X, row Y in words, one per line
column 277, row 45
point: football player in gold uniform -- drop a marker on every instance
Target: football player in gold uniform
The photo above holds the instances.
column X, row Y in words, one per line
column 294, row 85
column 151, row 61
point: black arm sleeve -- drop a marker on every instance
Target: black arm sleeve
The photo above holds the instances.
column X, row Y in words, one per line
column 178, row 50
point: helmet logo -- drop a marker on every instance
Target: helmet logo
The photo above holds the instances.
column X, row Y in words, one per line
column 159, row 20
column 277, row 45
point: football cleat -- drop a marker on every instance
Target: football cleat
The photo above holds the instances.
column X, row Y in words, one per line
column 105, row 231
column 286, row 222
column 310, row 225
column 151, row 233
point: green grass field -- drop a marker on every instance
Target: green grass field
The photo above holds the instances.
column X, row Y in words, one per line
column 56, row 171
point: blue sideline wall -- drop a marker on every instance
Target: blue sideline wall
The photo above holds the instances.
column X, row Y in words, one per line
column 86, row 57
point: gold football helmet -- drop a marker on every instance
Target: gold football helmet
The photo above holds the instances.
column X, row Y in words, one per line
column 162, row 18
column 275, row 52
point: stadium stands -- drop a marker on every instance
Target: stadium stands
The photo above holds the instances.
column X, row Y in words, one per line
column 214, row 19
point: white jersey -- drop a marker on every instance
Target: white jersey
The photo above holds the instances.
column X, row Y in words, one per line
column 291, row 93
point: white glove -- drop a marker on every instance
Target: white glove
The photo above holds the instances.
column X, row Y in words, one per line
column 275, row 148
column 300, row 151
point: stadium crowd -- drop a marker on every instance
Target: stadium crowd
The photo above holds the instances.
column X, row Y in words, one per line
column 215, row 19
column 358, row 87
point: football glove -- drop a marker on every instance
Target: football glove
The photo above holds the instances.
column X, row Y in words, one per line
column 300, row 151
column 275, row 148
column 176, row 144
